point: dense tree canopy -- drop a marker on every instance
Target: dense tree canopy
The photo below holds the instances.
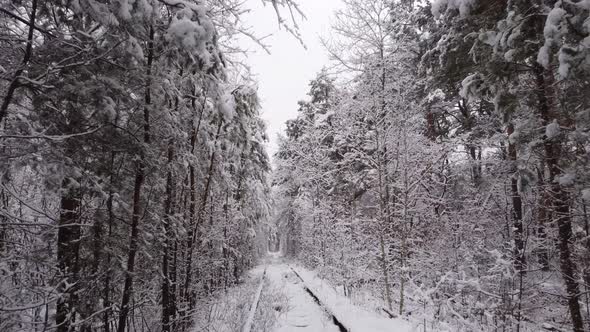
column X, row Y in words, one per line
column 133, row 168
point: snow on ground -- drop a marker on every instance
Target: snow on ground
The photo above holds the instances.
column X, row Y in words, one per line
column 302, row 313
column 225, row 310
column 353, row 317
column 286, row 306
column 254, row 306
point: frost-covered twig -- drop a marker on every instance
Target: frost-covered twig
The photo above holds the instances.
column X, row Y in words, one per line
column 52, row 137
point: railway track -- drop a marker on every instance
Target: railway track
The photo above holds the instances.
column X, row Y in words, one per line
column 339, row 324
column 309, row 323
column 302, row 302
column 250, row 320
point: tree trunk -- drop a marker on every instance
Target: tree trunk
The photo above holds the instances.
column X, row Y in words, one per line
column 385, row 272
column 384, row 212
column 27, row 56
column 167, row 304
column 193, row 197
column 519, row 257
column 430, row 126
column 586, row 273
column 139, row 180
column 193, row 233
column 133, row 246
column 107, row 281
column 543, row 218
column 559, row 198
column 68, row 247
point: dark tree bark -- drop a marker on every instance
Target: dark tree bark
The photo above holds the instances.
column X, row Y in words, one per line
column 139, row 180
column 167, row 298
column 519, row 257
column 192, row 196
column 68, row 247
column 133, row 245
column 558, row 198
column 431, row 131
column 199, row 217
column 111, row 218
column 14, row 83
column 543, row 218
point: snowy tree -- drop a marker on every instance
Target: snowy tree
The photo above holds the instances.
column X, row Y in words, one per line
column 120, row 127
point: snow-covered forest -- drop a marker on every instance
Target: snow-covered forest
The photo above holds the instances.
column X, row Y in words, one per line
column 435, row 178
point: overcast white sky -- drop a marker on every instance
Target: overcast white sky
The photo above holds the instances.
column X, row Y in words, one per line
column 284, row 75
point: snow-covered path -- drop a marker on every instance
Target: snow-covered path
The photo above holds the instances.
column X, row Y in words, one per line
column 303, row 314
column 323, row 310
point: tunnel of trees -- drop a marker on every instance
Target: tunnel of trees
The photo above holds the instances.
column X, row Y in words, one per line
column 440, row 164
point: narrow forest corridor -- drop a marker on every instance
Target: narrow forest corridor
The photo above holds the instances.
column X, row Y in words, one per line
column 294, row 165
column 297, row 301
